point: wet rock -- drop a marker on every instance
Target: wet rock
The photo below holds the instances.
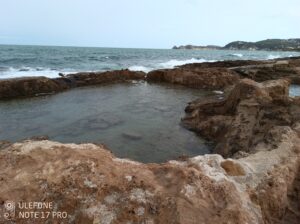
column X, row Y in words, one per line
column 222, row 64
column 96, row 78
column 36, row 86
column 38, row 138
column 26, row 87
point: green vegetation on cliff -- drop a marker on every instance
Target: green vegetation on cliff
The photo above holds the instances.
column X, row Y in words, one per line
column 268, row 45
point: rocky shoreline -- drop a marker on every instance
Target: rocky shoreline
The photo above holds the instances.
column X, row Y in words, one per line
column 209, row 75
column 253, row 178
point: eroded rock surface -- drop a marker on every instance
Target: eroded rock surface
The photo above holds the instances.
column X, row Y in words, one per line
column 251, row 115
column 289, row 68
column 202, row 78
column 96, row 78
column 32, row 86
column 257, row 70
column 221, row 74
column 35, row 86
column 93, row 186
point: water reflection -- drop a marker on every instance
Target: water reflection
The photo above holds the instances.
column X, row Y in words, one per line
column 295, row 90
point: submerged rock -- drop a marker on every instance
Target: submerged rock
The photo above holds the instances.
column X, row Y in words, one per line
column 38, row 138
column 132, row 136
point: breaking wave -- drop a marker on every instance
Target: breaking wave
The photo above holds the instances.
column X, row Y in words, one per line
column 271, row 56
column 237, row 55
column 173, row 63
column 10, row 72
column 169, row 64
column 140, row 68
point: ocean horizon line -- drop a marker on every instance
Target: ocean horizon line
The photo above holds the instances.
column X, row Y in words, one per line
column 75, row 46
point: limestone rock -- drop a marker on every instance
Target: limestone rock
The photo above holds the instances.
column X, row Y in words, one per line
column 25, row 87
column 36, row 86
column 93, row 186
column 206, row 78
column 251, row 114
column 96, row 78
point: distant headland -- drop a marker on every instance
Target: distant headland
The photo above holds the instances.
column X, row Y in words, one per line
column 268, row 45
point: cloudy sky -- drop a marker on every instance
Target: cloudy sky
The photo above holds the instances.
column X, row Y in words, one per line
column 146, row 23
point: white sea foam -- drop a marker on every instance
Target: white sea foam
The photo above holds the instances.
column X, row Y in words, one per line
column 31, row 72
column 173, row 63
column 218, row 92
column 140, row 68
column 271, row 57
column 238, row 55
column 169, row 64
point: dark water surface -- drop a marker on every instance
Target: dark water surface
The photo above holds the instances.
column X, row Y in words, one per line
column 139, row 121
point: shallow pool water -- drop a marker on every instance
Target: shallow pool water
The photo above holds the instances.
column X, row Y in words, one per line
column 295, row 90
column 139, row 121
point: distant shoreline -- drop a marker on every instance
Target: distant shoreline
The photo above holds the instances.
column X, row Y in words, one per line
column 264, row 45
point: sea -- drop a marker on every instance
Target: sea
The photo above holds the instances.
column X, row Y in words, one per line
column 49, row 61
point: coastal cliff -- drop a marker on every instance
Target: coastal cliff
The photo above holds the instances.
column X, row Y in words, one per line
column 194, row 47
column 266, row 45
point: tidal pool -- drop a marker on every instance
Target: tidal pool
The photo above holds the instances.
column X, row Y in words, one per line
column 295, row 90
column 139, row 121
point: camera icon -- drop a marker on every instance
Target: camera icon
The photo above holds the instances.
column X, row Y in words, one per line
column 9, row 210
column 10, row 205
